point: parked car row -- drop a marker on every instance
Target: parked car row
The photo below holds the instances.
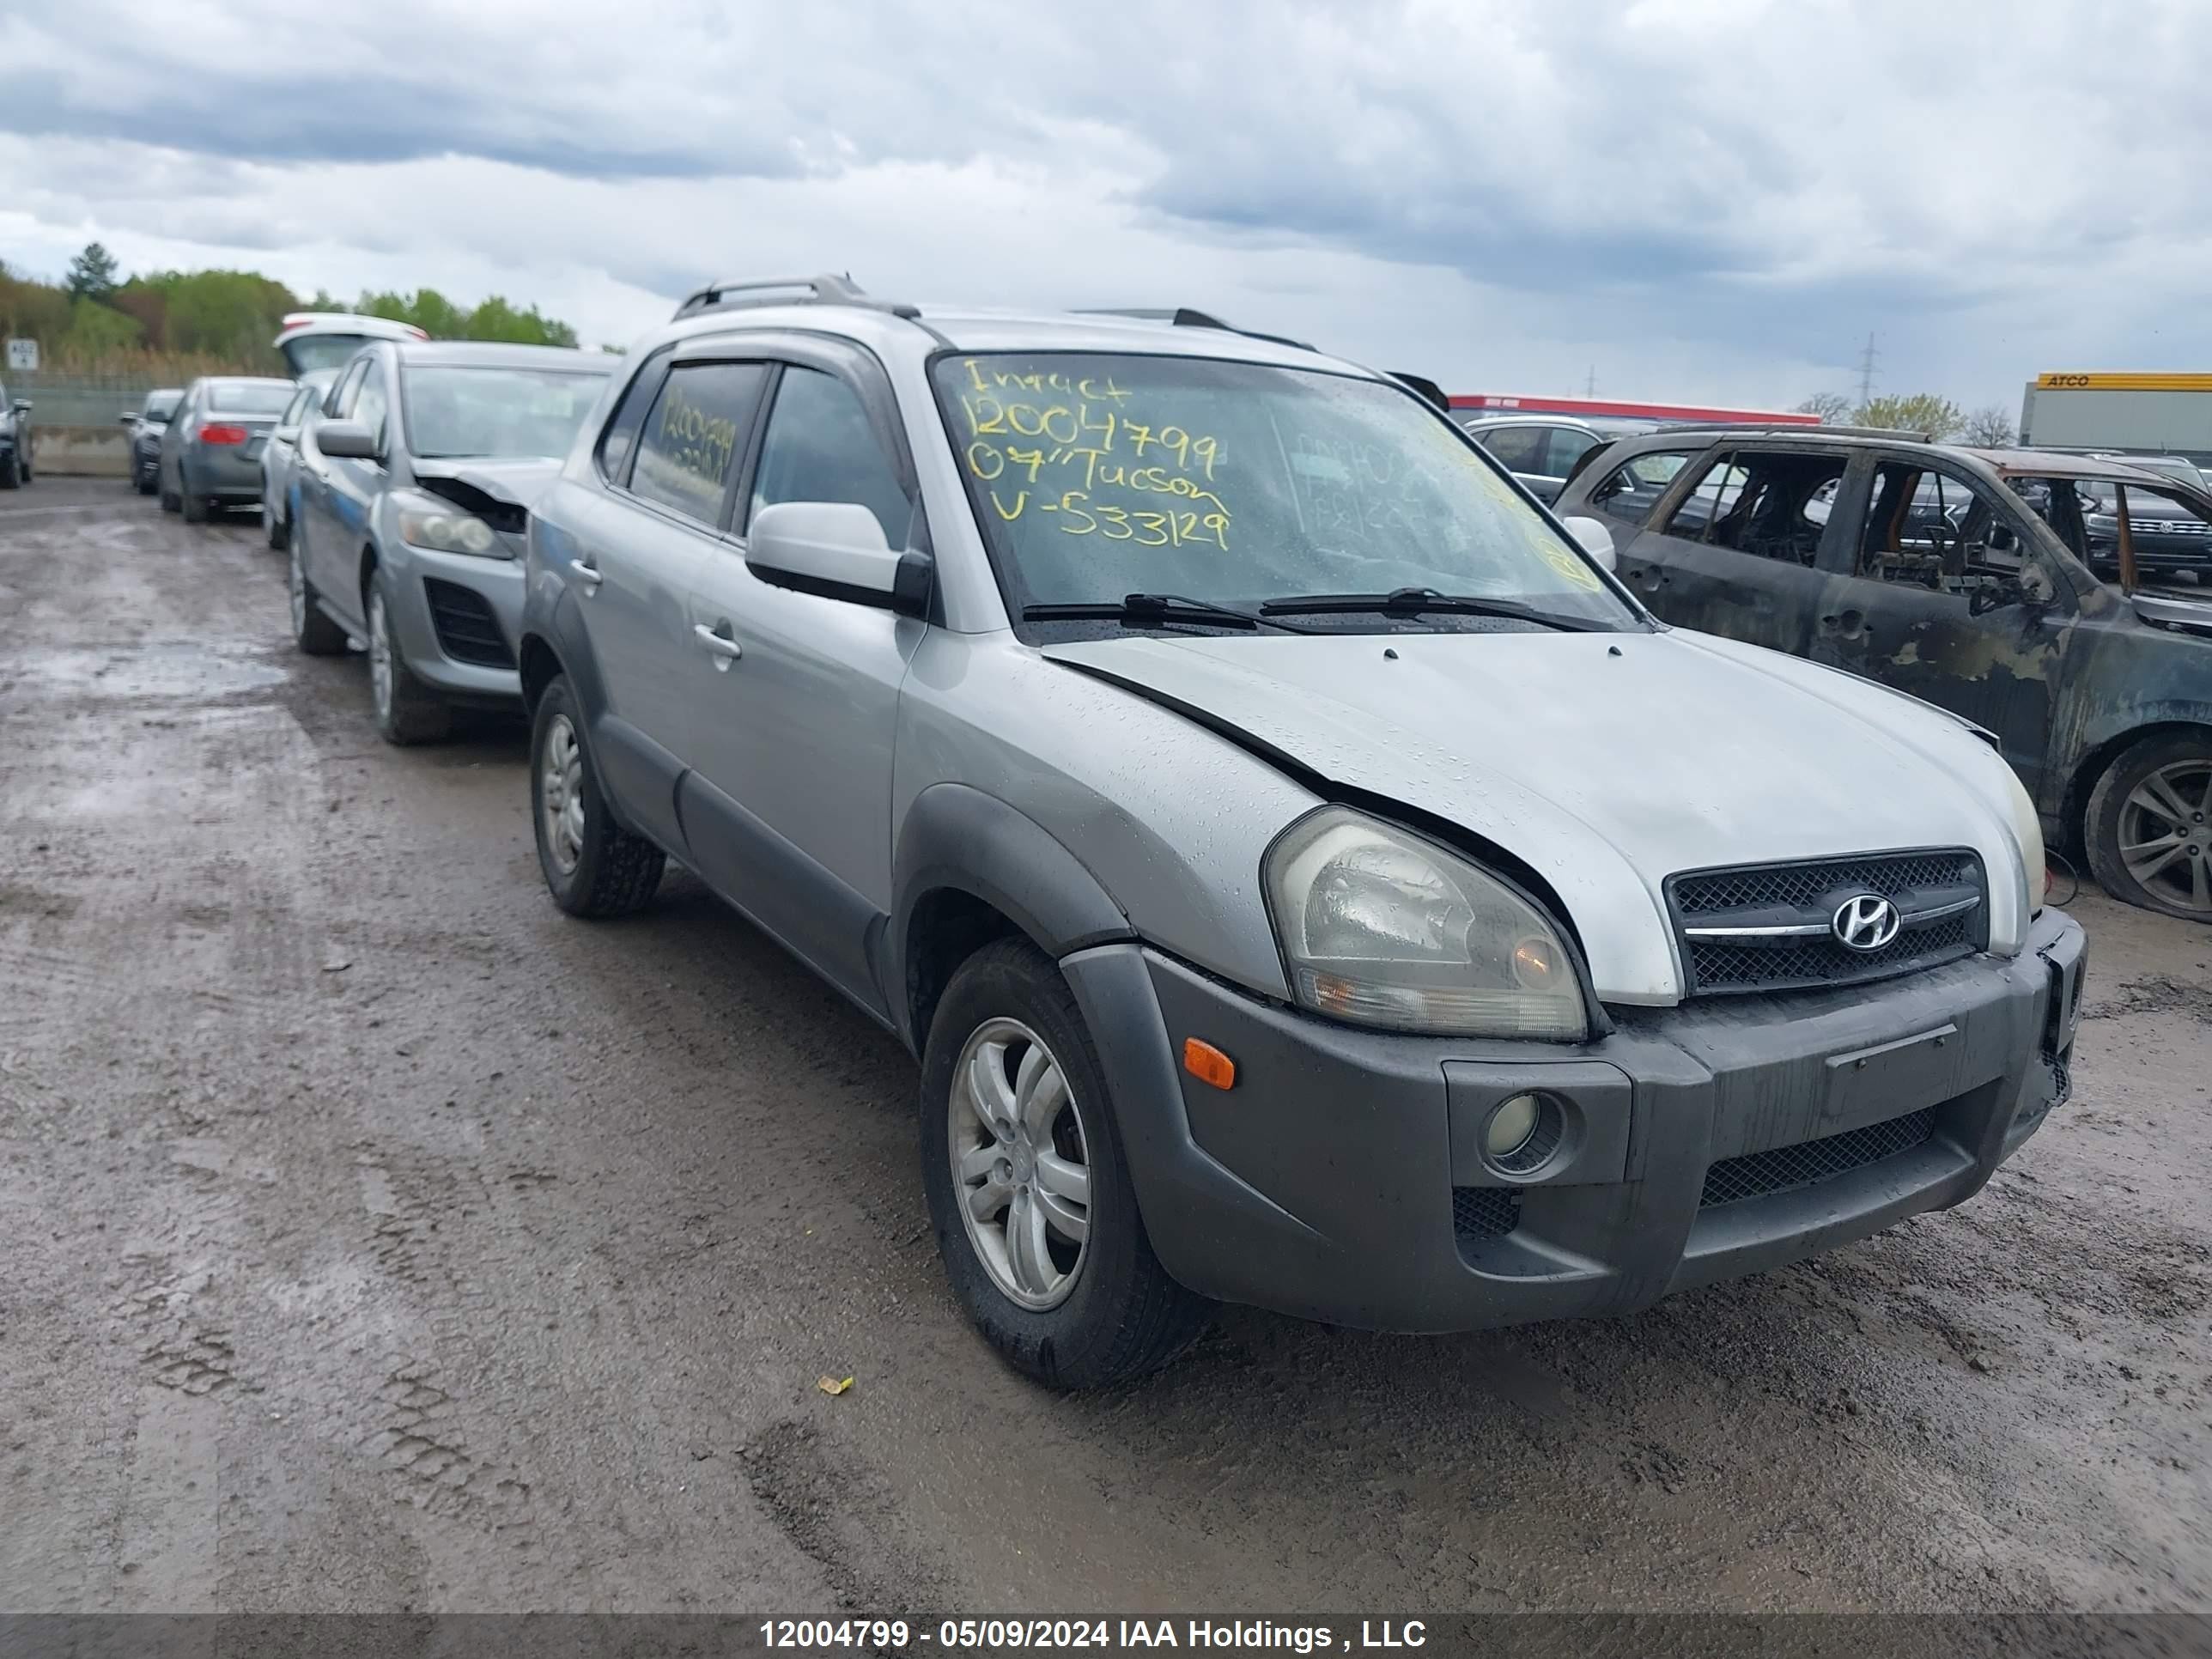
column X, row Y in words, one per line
column 1304, row 873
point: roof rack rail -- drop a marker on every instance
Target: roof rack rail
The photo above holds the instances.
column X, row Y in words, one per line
column 1189, row 317
column 827, row 289
column 1802, row 428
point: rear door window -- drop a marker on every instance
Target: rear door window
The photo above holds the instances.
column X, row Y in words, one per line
column 1518, row 448
column 1771, row 505
column 696, row 437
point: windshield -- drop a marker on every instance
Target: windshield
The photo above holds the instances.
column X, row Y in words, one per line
column 160, row 405
column 1096, row 476
column 455, row 411
column 249, row 397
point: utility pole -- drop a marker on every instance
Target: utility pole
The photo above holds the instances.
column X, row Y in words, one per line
column 1866, row 373
column 1589, row 386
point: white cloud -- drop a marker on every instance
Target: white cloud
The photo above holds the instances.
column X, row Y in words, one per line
column 1701, row 200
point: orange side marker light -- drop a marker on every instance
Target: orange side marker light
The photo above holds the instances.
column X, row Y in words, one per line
column 1208, row 1064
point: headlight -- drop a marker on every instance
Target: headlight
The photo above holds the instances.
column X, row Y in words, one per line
column 1380, row 927
column 2027, row 831
column 447, row 531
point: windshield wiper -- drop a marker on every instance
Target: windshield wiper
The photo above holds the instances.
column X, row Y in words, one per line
column 1419, row 601
column 1150, row 610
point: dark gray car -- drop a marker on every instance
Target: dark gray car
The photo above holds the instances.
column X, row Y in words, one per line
column 406, row 508
column 210, row 453
column 1919, row 566
column 16, row 448
column 142, row 428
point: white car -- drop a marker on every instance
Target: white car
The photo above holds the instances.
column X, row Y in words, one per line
column 327, row 339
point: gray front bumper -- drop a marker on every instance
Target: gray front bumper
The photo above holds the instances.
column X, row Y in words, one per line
column 1327, row 1181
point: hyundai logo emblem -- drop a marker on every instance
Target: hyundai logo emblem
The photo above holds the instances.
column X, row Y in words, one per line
column 1866, row 923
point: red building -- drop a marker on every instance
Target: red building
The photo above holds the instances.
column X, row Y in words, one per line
column 1494, row 402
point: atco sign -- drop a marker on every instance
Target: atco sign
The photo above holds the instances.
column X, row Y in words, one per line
column 23, row 356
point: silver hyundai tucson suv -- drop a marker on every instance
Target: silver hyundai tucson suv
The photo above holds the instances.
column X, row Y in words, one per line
column 1304, row 875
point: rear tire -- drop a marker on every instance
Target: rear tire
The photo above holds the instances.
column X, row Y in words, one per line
column 171, row 501
column 1113, row 1313
column 593, row 866
column 407, row 711
column 2149, row 826
column 313, row 631
column 11, row 475
column 276, row 528
column 195, row 507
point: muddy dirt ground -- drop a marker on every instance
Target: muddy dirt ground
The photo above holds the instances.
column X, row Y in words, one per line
column 377, row 1238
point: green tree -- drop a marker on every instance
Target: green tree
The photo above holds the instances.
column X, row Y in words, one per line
column 228, row 314
column 95, row 329
column 1920, row 411
column 92, row 274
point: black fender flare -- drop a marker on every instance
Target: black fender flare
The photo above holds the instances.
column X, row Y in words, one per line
column 958, row 837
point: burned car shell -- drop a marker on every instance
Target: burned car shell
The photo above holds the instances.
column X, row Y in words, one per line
column 2066, row 682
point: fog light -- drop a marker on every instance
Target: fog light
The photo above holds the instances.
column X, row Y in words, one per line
column 1522, row 1132
column 1512, row 1125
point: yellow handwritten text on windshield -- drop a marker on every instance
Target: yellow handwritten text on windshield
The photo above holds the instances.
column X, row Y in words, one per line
column 1070, row 445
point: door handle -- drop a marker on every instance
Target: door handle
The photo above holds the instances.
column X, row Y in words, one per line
column 718, row 642
column 588, row 574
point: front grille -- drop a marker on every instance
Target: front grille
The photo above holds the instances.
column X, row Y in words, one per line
column 467, row 631
column 1485, row 1212
column 1806, row 895
column 1780, row 1169
column 1717, row 965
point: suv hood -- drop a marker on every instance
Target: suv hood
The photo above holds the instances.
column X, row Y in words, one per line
column 1606, row 762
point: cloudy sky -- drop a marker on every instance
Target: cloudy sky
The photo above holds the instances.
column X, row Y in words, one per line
column 1695, row 199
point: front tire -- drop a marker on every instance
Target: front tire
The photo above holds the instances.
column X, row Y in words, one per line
column 2149, row 826
column 592, row 866
column 1028, row 1190
column 143, row 480
column 11, row 473
column 407, row 711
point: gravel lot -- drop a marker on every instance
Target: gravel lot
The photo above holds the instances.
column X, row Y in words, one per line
column 377, row 1239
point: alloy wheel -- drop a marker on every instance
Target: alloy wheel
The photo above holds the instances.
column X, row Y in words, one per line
column 2165, row 834
column 561, row 795
column 1021, row 1170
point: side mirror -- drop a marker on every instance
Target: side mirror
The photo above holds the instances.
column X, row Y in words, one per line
column 128, row 417
column 1593, row 538
column 346, row 441
column 285, row 434
column 23, row 405
column 834, row 549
